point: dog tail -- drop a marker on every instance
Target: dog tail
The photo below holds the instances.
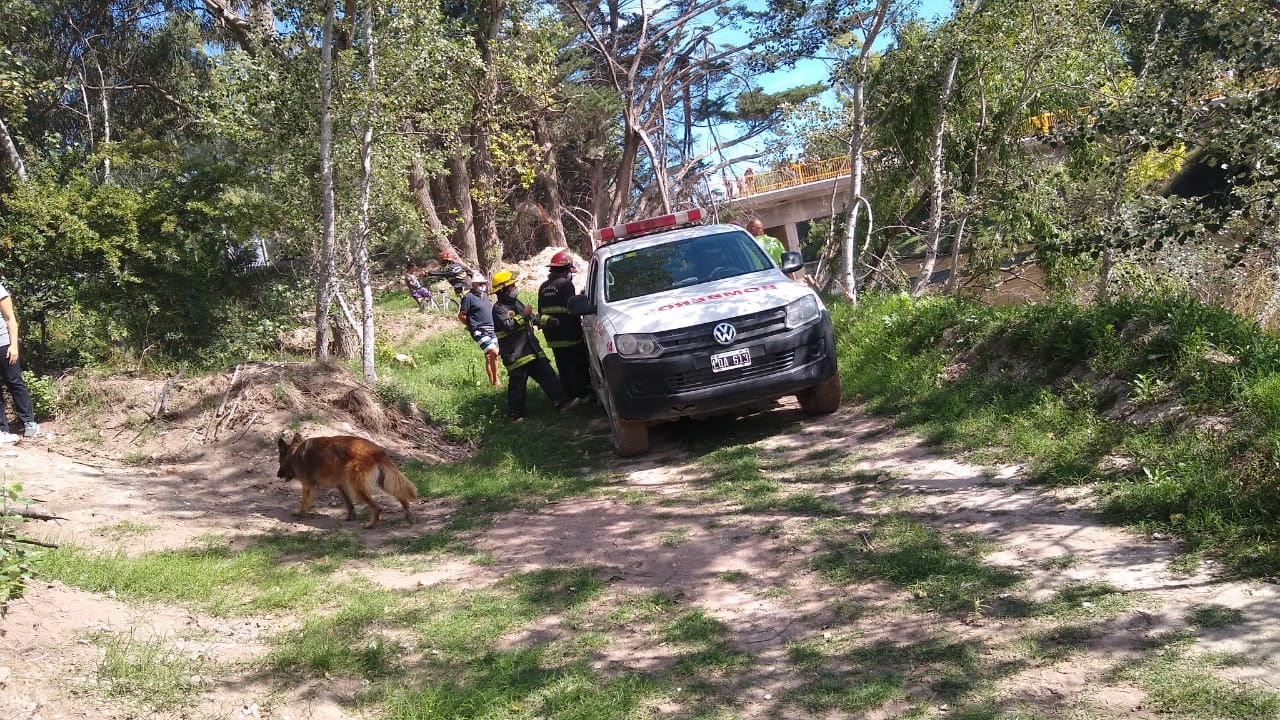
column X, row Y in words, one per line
column 394, row 483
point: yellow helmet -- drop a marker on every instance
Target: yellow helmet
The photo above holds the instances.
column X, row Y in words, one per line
column 502, row 279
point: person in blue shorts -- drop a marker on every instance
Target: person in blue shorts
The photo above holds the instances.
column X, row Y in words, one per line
column 476, row 312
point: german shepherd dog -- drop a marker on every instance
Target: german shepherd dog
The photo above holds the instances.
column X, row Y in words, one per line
column 351, row 464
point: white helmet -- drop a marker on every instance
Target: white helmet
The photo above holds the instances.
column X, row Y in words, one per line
column 478, row 279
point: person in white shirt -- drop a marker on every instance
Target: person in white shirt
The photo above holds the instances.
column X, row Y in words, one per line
column 11, row 371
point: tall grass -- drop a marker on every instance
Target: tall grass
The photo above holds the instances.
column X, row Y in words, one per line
column 1169, row 405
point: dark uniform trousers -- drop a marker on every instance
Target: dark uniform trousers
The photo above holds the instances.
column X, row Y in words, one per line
column 523, row 358
column 564, row 334
column 518, row 380
column 571, row 361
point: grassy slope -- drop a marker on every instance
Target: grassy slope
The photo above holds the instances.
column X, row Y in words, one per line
column 1170, row 406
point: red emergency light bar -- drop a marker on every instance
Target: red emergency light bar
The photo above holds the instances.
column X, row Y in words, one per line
column 646, row 226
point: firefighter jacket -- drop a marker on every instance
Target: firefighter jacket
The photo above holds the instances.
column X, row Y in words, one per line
column 516, row 342
column 455, row 273
column 553, row 302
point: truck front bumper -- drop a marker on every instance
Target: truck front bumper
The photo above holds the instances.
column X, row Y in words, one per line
column 684, row 385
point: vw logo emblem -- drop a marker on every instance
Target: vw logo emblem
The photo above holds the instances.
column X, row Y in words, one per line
column 724, row 333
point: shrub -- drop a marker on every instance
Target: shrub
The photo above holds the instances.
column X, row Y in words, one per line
column 44, row 396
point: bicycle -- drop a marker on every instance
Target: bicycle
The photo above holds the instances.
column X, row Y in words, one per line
column 439, row 299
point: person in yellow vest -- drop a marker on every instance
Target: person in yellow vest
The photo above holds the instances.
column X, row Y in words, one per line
column 521, row 354
column 768, row 243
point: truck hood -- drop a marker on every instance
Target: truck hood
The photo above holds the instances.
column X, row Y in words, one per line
column 707, row 302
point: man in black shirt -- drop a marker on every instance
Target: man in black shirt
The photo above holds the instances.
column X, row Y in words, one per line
column 562, row 330
column 476, row 312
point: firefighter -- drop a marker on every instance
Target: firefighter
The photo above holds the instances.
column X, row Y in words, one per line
column 521, row 354
column 453, row 272
column 563, row 331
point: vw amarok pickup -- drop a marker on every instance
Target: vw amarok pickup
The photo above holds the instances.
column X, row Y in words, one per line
column 687, row 320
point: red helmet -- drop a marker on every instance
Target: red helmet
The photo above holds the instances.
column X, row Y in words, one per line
column 562, row 259
column 448, row 255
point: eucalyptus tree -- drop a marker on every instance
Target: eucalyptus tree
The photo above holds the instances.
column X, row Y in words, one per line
column 671, row 83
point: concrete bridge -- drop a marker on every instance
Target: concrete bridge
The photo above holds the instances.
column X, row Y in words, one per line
column 797, row 193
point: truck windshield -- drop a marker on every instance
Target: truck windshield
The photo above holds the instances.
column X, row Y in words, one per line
column 682, row 263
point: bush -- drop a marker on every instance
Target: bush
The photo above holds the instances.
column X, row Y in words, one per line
column 14, row 570
column 44, row 396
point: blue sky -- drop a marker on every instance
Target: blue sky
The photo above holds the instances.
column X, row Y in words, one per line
column 817, row 71
column 812, row 71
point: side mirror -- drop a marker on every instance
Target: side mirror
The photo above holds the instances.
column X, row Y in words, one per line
column 792, row 261
column 580, row 305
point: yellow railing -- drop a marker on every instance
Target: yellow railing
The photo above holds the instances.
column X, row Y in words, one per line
column 754, row 183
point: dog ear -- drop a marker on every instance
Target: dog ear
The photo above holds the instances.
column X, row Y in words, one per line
column 297, row 439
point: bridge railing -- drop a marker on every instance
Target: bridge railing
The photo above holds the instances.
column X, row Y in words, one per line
column 754, row 183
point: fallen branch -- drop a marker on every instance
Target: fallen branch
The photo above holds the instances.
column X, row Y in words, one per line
column 27, row 541
column 252, row 419
column 158, row 409
column 31, row 514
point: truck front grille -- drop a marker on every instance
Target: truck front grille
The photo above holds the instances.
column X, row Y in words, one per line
column 750, row 327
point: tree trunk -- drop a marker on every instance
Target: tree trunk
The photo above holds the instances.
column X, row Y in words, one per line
column 104, row 101
column 554, row 220
column 464, row 235
column 361, row 250
column 10, row 149
column 325, row 269
column 937, row 183
column 421, row 195
column 599, row 198
column 848, row 266
column 483, row 183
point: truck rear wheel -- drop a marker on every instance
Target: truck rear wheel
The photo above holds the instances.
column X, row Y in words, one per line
column 629, row 438
column 821, row 399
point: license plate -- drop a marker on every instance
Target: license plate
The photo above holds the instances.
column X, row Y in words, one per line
column 730, row 360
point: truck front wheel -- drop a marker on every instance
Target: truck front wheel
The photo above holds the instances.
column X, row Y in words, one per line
column 629, row 438
column 823, row 398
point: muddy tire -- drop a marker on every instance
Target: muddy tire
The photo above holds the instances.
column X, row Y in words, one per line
column 629, row 438
column 821, row 399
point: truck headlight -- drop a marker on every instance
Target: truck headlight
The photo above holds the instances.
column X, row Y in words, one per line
column 802, row 311
column 637, row 345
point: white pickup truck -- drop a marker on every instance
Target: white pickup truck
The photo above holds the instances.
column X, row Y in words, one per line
column 686, row 320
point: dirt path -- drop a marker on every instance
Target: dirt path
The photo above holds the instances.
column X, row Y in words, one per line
column 651, row 530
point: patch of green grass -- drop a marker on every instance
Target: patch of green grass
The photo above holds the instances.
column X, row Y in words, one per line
column 523, row 684
column 674, row 537
column 869, row 676
column 835, row 693
column 355, row 641
column 558, row 588
column 732, row 576
column 641, row 608
column 149, row 673
column 1181, row 684
column 215, row 578
column 897, row 503
column 1064, row 561
column 1214, row 617
column 125, row 528
column 942, row 572
column 826, row 453
column 1077, row 601
column 1057, row 643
